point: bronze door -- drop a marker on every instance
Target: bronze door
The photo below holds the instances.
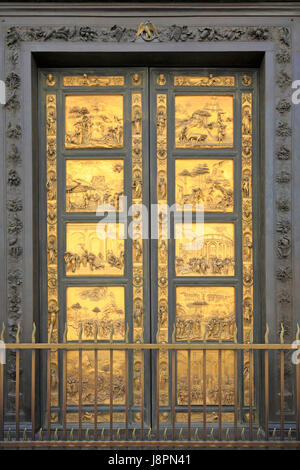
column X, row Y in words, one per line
column 126, row 139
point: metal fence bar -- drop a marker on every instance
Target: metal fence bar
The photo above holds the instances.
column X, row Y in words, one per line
column 17, row 395
column 80, row 394
column 204, row 396
column 220, row 393
column 251, row 374
column 33, row 385
column 173, row 392
column 282, row 395
column 157, row 396
column 235, row 365
column 96, row 395
column 1, row 402
column 189, row 395
column 126, row 396
column 298, row 400
column 111, row 360
column 267, row 391
column 64, row 395
column 48, row 397
column 143, row 396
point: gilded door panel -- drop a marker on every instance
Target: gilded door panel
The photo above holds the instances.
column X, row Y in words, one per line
column 103, row 306
column 205, row 312
column 91, row 183
column 204, row 249
column 204, row 181
column 94, row 249
column 94, row 121
column 203, row 140
column 96, row 276
column 203, row 121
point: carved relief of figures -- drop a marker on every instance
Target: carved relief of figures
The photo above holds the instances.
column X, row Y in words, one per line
column 203, row 121
column 94, row 250
column 52, row 249
column 94, row 121
column 161, row 120
column 212, row 385
column 93, row 80
column 88, row 378
column 51, row 185
column 137, row 184
column 200, row 309
column 90, row 183
column 163, row 313
column 101, row 305
column 138, row 252
column 138, row 312
column 204, row 81
column 207, row 182
column 162, row 185
column 204, row 254
column 136, row 120
column 51, row 121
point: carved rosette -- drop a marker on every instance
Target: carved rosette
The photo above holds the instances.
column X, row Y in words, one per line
column 283, row 243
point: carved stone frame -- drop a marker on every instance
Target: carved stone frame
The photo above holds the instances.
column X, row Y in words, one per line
column 20, row 136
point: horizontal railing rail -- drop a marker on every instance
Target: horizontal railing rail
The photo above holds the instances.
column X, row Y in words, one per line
column 226, row 421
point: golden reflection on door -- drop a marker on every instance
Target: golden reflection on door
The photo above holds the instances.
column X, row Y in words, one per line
column 203, row 121
column 94, row 121
column 101, row 160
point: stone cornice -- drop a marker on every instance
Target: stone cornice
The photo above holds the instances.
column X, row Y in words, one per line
column 259, row 10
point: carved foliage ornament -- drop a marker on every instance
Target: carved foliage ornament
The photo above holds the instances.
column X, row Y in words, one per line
column 146, row 31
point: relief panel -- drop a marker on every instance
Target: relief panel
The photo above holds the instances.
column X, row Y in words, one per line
column 94, row 121
column 204, row 249
column 94, row 249
column 205, row 312
column 90, row 183
column 103, row 306
column 183, row 80
column 212, row 379
column 203, row 121
column 205, row 181
column 88, row 378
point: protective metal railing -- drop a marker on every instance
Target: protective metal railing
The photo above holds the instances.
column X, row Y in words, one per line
column 258, row 431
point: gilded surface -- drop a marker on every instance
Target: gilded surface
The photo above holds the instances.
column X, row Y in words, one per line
column 205, row 312
column 103, row 306
column 94, row 121
column 52, row 262
column 204, row 254
column 88, row 255
column 211, row 417
column 88, row 379
column 212, row 382
column 203, row 81
column 162, row 199
column 94, row 80
column 205, row 181
column 246, row 189
column 90, row 183
column 137, row 243
column 203, row 121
